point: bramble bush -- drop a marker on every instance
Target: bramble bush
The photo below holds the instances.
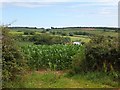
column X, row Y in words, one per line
column 13, row 63
column 103, row 54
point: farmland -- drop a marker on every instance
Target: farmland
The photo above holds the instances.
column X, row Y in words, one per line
column 47, row 58
column 65, row 32
column 57, row 57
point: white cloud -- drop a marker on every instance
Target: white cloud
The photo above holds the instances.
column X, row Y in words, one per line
column 108, row 1
column 36, row 0
column 106, row 11
column 41, row 3
column 31, row 4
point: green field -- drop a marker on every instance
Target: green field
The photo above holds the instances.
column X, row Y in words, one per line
column 16, row 33
column 95, row 31
column 39, row 58
column 82, row 38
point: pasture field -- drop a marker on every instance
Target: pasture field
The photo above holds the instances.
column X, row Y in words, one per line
column 85, row 38
column 16, row 33
column 95, row 31
column 80, row 38
column 104, row 33
column 21, row 32
column 26, row 29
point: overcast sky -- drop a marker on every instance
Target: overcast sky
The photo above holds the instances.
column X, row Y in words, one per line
column 59, row 13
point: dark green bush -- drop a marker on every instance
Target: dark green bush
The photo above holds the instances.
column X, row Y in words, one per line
column 103, row 54
column 64, row 34
column 71, row 34
column 81, row 33
column 12, row 59
column 29, row 32
column 100, row 54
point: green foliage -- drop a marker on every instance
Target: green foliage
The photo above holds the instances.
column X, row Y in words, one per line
column 44, row 31
column 101, row 78
column 62, row 33
column 29, row 32
column 102, row 53
column 77, row 60
column 71, row 34
column 52, row 32
column 56, row 79
column 57, row 57
column 49, row 40
column 12, row 59
column 81, row 33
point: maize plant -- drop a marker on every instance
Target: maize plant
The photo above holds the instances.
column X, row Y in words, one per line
column 57, row 57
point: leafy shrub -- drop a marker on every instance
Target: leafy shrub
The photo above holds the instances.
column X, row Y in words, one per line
column 71, row 34
column 64, row 34
column 29, row 32
column 12, row 59
column 77, row 60
column 102, row 53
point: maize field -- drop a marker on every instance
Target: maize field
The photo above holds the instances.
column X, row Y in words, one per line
column 57, row 57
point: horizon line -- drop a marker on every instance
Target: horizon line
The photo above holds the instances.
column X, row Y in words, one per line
column 66, row 27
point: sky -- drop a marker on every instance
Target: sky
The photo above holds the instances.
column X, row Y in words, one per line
column 59, row 13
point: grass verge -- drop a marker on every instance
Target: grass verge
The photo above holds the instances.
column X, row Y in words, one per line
column 54, row 79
